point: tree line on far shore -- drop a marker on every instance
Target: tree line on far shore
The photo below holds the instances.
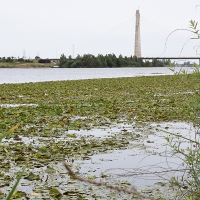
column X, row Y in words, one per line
column 13, row 59
column 109, row 60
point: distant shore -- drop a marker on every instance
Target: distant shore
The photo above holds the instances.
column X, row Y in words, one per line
column 55, row 65
column 27, row 65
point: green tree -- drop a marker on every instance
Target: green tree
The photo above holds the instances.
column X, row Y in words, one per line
column 62, row 61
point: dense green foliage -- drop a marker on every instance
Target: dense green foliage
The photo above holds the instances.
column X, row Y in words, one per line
column 109, row 60
column 101, row 96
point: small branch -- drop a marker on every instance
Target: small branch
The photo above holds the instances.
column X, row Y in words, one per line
column 183, row 47
column 118, row 189
column 196, row 7
column 149, row 173
column 180, row 136
column 181, row 29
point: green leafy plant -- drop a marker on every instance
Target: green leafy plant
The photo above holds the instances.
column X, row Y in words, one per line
column 193, row 26
column 189, row 182
column 10, row 194
column 3, row 135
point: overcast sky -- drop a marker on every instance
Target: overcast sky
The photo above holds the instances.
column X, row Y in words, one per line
column 49, row 28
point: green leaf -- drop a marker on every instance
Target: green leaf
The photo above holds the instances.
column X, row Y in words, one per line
column 55, row 193
column 8, row 132
column 16, row 184
column 32, row 177
column 50, row 170
column 90, row 176
column 167, row 139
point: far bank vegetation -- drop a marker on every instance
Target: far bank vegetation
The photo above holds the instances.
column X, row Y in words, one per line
column 12, row 62
column 107, row 61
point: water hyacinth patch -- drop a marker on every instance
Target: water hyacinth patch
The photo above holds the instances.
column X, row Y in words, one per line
column 49, row 132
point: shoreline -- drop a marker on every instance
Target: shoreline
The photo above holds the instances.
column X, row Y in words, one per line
column 52, row 66
column 44, row 74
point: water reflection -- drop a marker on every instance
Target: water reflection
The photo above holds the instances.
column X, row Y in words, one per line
column 147, row 160
column 152, row 162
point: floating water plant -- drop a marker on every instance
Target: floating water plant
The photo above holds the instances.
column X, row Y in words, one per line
column 56, row 128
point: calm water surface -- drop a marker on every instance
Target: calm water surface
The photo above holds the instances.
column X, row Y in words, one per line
column 24, row 75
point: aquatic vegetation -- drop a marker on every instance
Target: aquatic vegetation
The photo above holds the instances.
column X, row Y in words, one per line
column 48, row 131
column 188, row 183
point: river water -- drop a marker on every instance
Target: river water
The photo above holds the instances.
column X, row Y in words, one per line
column 23, row 75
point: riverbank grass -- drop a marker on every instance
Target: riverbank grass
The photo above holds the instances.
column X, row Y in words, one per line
column 33, row 64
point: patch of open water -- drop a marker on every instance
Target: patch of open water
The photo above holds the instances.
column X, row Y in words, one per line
column 152, row 162
column 148, row 161
column 23, row 75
